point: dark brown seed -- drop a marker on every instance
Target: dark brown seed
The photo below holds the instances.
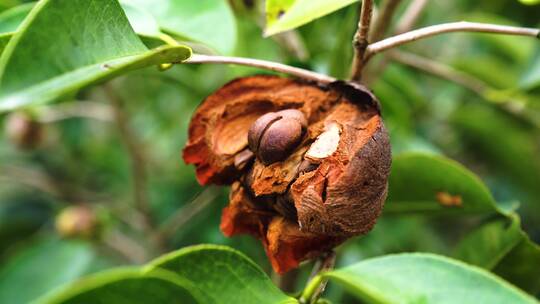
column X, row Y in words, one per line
column 279, row 140
column 258, row 127
column 294, row 114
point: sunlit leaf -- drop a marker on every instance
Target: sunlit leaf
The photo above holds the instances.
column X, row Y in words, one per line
column 283, row 15
column 12, row 18
column 209, row 21
column 142, row 22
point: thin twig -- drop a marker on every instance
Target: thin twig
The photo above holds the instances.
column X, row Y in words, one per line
column 384, row 20
column 441, row 70
column 316, row 283
column 262, row 64
column 467, row 81
column 410, row 16
column 29, row 177
column 135, row 151
column 293, row 43
column 405, row 24
column 186, row 213
column 126, row 247
column 360, row 41
column 462, row 26
column 82, row 109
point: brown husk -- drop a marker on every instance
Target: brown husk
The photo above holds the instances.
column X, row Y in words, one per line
column 297, row 213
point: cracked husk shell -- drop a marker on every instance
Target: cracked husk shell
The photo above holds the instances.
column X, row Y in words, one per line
column 331, row 187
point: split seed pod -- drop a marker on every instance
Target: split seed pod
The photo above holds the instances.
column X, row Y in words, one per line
column 308, row 164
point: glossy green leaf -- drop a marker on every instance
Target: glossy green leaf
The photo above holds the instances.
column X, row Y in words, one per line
column 86, row 50
column 225, row 275
column 12, row 18
column 283, row 15
column 132, row 286
column 208, row 21
column 425, row 278
column 427, row 183
column 42, row 267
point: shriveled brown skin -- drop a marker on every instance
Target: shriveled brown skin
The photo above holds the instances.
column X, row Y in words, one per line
column 331, row 187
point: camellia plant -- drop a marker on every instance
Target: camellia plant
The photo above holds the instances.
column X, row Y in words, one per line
column 340, row 158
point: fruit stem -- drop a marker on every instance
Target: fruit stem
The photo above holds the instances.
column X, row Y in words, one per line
column 317, row 283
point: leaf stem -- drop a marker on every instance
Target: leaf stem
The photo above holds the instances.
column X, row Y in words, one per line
column 262, row 64
column 360, row 41
column 441, row 70
column 465, row 80
column 317, row 283
column 461, row 26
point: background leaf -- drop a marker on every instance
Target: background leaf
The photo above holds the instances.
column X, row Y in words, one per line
column 424, row 278
column 208, row 21
column 423, row 183
column 42, row 267
column 142, row 22
column 12, row 18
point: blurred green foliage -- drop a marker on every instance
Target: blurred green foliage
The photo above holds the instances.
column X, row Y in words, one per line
column 85, row 159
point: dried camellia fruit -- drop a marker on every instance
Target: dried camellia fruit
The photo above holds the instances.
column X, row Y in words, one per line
column 308, row 163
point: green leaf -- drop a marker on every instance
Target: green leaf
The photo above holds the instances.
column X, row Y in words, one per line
column 506, row 146
column 530, row 2
column 12, row 18
column 20, row 218
column 520, row 266
column 425, row 278
column 210, row 21
column 131, row 286
column 501, row 246
column 531, row 78
column 496, row 244
column 86, row 50
column 142, row 22
column 42, row 267
column 4, row 39
column 225, row 275
column 427, row 183
column 486, row 246
column 283, row 15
